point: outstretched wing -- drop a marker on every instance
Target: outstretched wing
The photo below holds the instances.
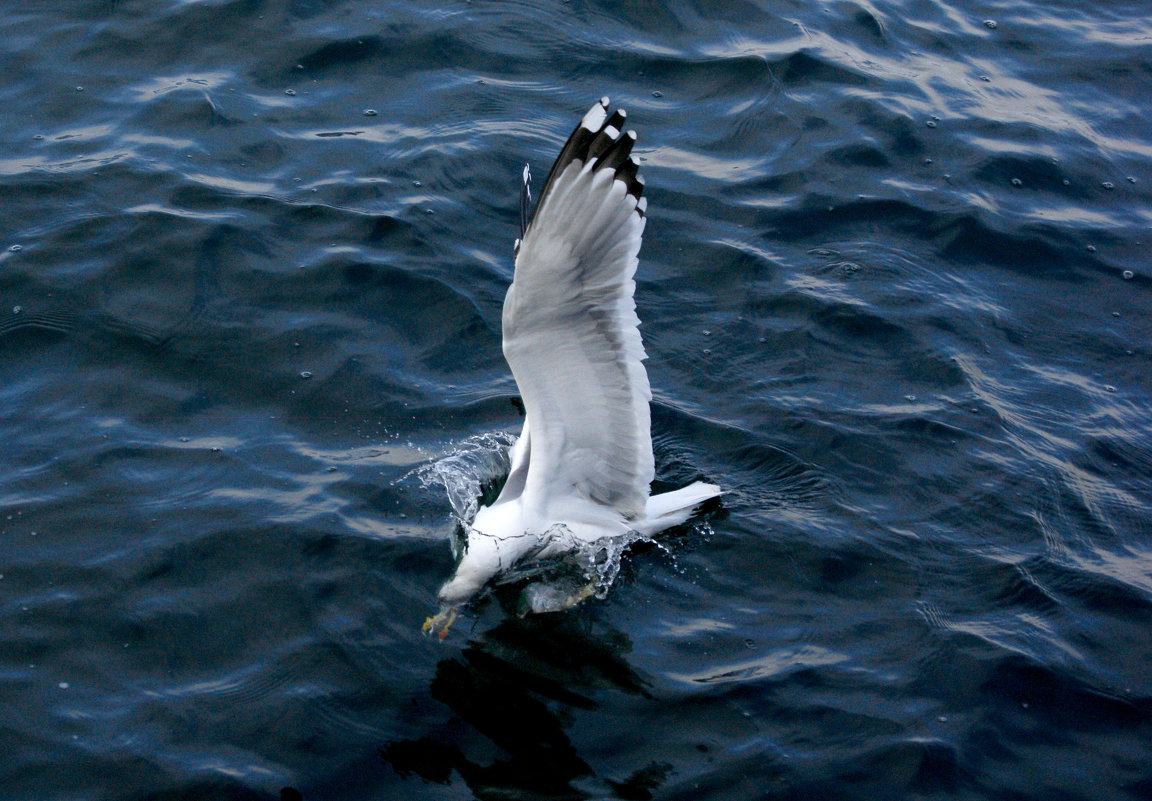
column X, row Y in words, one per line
column 571, row 333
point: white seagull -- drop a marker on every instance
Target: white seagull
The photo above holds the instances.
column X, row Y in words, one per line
column 582, row 467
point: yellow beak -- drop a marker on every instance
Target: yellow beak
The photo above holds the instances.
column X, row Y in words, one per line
column 439, row 623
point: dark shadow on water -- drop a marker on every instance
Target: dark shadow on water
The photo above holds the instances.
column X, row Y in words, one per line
column 511, row 695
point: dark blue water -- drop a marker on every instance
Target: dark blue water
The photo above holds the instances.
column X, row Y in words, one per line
column 895, row 292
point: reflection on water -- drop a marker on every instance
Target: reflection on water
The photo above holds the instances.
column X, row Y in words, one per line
column 516, row 689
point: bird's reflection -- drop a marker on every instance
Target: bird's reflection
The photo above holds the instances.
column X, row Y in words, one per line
column 512, row 693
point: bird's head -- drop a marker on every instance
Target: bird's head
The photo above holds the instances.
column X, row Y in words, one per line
column 482, row 559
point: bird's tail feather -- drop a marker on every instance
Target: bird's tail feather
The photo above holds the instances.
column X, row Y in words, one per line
column 672, row 508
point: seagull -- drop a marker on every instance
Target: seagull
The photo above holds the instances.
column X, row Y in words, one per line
column 582, row 467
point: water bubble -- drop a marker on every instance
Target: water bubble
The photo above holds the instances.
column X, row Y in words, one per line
column 707, row 332
column 1131, row 179
column 63, row 685
column 17, row 309
column 1091, row 248
column 910, row 398
column 707, row 351
column 990, row 24
column 370, row 112
column 15, row 248
column 1115, row 314
column 1017, row 182
column 1108, row 185
column 79, row 88
column 1066, row 182
column 986, row 78
column 931, row 123
column 290, row 92
column 185, row 439
column 1109, row 388
column 305, row 374
column 417, row 183
column 1128, row 275
column 40, row 138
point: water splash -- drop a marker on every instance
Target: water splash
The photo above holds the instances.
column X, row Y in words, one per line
column 564, row 567
column 469, row 473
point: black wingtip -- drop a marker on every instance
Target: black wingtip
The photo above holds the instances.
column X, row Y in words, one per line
column 599, row 137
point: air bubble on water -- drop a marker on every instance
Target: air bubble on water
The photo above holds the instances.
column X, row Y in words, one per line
column 63, row 685
column 1066, row 182
column 17, row 309
column 990, row 24
column 1109, row 388
column 1128, row 275
column 910, row 398
column 417, row 183
column 370, row 112
column 305, row 374
column 40, row 138
column 1108, row 185
column 1131, row 179
column 290, row 92
column 931, row 123
column 657, row 93
column 15, row 248
column 79, row 88
column 1091, row 248
column 1017, row 182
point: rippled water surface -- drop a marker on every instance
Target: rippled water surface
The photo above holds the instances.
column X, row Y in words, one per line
column 895, row 293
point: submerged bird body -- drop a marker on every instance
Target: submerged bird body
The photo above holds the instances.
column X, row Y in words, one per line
column 582, row 467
